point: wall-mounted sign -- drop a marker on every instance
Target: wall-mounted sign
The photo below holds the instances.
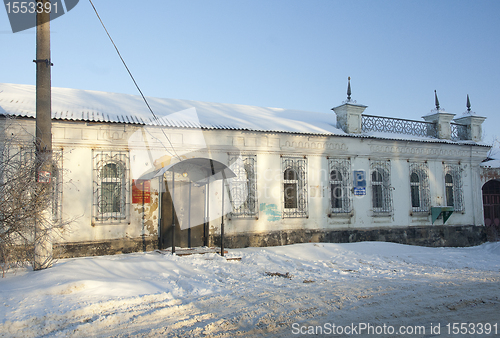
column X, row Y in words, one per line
column 359, row 183
column 141, row 191
column 43, row 177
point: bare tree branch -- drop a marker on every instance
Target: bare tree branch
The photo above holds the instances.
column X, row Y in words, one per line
column 22, row 200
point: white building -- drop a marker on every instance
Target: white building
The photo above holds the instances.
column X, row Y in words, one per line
column 342, row 176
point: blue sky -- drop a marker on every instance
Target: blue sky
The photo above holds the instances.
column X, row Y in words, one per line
column 291, row 54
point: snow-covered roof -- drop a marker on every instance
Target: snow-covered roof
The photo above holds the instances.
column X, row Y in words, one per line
column 87, row 105
column 94, row 106
column 493, row 159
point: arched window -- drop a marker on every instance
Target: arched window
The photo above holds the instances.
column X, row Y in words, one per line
column 336, row 189
column 243, row 187
column 340, row 185
column 453, row 189
column 111, row 185
column 111, row 188
column 290, row 185
column 377, row 188
column 381, row 187
column 415, row 190
column 419, row 187
column 448, row 182
column 294, row 186
column 250, row 202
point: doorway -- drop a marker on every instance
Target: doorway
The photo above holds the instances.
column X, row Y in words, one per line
column 491, row 206
column 190, row 228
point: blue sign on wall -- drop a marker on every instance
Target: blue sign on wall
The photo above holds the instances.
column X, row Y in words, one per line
column 359, row 183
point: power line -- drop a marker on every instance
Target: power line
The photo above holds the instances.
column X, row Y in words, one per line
column 136, row 85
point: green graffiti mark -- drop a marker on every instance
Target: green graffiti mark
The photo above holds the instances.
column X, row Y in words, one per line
column 272, row 212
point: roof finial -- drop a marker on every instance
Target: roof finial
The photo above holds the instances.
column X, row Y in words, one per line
column 436, row 99
column 468, row 103
column 349, row 89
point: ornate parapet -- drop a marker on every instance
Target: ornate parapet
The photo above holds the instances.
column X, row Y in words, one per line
column 397, row 126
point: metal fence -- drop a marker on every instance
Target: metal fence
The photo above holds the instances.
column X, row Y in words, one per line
column 459, row 132
column 397, row 126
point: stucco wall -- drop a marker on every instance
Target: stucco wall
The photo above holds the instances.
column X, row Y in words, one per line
column 78, row 139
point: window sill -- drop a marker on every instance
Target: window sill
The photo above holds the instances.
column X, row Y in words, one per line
column 340, row 214
column 419, row 213
column 381, row 214
column 295, row 216
column 98, row 222
column 242, row 217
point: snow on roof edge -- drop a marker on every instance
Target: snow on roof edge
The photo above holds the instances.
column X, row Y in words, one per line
column 92, row 106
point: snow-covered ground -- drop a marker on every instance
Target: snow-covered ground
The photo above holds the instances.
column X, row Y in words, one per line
column 156, row 294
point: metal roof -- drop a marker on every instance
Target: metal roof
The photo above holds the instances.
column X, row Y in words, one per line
column 94, row 106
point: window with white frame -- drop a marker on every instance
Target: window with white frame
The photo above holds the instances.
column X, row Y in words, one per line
column 340, row 185
column 294, row 171
column 111, row 185
column 243, row 187
column 419, row 187
column 380, row 173
column 453, row 186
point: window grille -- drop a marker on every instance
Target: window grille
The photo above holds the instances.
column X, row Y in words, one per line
column 340, row 185
column 380, row 172
column 57, row 185
column 453, row 186
column 111, row 185
column 419, row 187
column 243, row 187
column 294, row 171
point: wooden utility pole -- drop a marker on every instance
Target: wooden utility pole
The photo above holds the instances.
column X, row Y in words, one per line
column 43, row 242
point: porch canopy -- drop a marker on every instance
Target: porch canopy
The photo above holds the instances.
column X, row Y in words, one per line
column 199, row 170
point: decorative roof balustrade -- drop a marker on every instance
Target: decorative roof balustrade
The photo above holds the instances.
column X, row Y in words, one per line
column 459, row 132
column 398, row 126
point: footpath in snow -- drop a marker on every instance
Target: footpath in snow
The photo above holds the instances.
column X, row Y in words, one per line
column 275, row 291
